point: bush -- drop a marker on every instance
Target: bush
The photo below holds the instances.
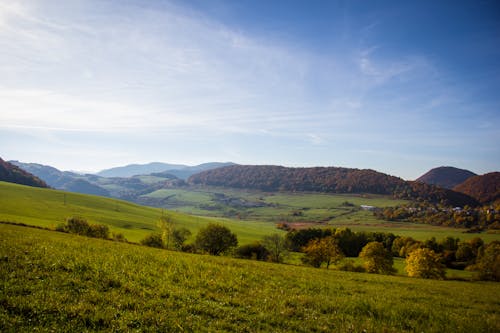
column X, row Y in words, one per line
column 255, row 251
column 78, row 225
column 153, row 240
column 215, row 239
column 350, row 266
column 99, row 231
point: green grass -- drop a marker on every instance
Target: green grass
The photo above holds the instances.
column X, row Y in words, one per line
column 48, row 208
column 65, row 283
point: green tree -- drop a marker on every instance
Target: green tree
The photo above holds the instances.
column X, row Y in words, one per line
column 377, row 259
column 179, row 236
column 488, row 263
column 277, row 247
column 153, row 240
column 425, row 263
column 324, row 250
column 255, row 251
column 215, row 239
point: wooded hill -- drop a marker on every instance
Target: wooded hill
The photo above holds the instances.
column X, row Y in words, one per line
column 485, row 188
column 446, row 176
column 327, row 180
column 13, row 174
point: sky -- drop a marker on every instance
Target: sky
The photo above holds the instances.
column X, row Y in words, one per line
column 396, row 86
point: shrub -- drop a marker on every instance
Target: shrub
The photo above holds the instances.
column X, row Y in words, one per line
column 78, row 225
column 255, row 251
column 99, row 231
column 350, row 266
column 153, row 240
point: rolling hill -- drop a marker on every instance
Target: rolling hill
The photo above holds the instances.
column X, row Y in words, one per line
column 57, row 282
column 13, row 174
column 326, row 180
column 446, row 176
column 485, row 188
column 48, row 208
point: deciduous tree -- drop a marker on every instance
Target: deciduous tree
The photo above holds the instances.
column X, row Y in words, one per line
column 324, row 250
column 425, row 263
column 215, row 239
column 377, row 259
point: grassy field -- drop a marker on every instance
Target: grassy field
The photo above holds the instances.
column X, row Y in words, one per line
column 48, row 208
column 59, row 282
column 275, row 207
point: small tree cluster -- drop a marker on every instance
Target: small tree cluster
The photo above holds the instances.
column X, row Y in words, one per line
column 80, row 226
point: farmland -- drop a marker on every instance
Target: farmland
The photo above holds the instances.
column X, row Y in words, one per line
column 60, row 282
column 48, row 208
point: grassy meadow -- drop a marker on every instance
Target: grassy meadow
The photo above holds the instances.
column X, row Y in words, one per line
column 60, row 282
column 48, row 208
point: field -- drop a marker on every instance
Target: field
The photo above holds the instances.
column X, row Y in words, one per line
column 59, row 282
column 48, row 208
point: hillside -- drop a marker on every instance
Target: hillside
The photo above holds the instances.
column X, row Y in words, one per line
column 59, row 282
column 48, row 208
column 63, row 180
column 13, row 174
column 485, row 188
column 326, row 180
column 445, row 176
column 178, row 170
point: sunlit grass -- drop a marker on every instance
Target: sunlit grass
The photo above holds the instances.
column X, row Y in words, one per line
column 60, row 282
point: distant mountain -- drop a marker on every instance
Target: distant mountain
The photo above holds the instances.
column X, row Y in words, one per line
column 325, row 179
column 63, row 180
column 13, row 174
column 446, row 176
column 485, row 188
column 139, row 169
column 178, row 170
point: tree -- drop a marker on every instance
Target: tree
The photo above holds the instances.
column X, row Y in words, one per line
column 424, row 263
column 179, row 236
column 153, row 240
column 277, row 247
column 255, row 251
column 377, row 259
column 324, row 250
column 215, row 239
column 166, row 225
column 488, row 264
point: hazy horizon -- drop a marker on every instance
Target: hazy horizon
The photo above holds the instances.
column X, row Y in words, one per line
column 397, row 87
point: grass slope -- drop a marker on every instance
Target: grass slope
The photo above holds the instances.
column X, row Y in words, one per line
column 60, row 282
column 47, row 208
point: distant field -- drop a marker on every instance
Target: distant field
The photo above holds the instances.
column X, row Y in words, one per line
column 65, row 283
column 274, row 207
column 48, row 208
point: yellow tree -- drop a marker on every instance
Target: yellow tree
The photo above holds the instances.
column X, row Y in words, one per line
column 425, row 263
column 324, row 250
column 377, row 259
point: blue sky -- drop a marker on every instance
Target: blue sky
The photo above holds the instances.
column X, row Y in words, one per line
column 395, row 86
